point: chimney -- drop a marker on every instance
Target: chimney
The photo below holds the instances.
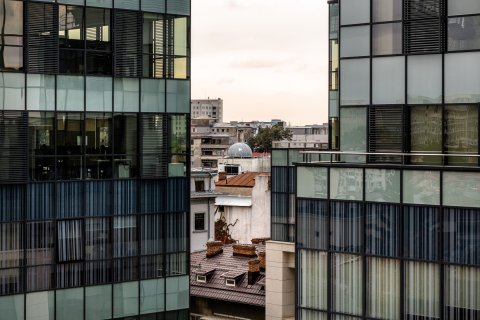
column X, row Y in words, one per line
column 222, row 176
column 214, row 248
column 246, row 250
column 259, row 240
column 263, row 262
column 253, row 271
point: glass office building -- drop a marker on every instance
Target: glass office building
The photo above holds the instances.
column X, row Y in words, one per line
column 94, row 154
column 388, row 224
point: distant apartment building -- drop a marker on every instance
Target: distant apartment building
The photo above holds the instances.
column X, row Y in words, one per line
column 308, row 136
column 208, row 108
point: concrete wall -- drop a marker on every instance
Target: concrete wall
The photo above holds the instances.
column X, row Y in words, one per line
column 198, row 239
column 280, row 281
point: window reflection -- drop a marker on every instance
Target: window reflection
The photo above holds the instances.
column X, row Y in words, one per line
column 153, row 50
column 426, row 133
column 69, row 133
column 464, row 33
column 178, row 145
column 125, row 148
column 71, row 39
column 98, row 41
column 461, row 131
column 11, row 35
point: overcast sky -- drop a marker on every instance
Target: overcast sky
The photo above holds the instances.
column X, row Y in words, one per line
column 267, row 59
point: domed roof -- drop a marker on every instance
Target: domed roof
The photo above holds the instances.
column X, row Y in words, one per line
column 239, row 150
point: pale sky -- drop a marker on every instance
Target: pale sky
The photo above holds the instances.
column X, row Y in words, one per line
column 267, row 59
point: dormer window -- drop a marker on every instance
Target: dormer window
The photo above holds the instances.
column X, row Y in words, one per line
column 201, row 278
column 230, row 282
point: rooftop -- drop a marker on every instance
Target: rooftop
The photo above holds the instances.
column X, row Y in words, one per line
column 226, row 266
column 244, row 180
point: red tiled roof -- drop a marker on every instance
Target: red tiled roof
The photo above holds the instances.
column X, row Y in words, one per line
column 246, row 180
column 215, row 287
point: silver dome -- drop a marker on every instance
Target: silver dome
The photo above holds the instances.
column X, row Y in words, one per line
column 239, row 150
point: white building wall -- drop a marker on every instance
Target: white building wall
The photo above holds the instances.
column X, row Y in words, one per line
column 198, row 239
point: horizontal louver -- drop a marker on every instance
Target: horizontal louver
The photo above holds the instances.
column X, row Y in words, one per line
column 13, row 147
column 42, row 38
column 154, row 142
column 424, row 27
column 181, row 7
column 128, row 43
column 385, row 132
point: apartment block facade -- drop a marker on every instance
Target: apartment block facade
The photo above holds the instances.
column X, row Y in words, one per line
column 94, row 153
column 388, row 220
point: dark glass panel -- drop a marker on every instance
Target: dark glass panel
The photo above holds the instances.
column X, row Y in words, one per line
column 125, row 195
column 199, row 222
column 99, row 167
column 40, row 278
column 151, row 234
column 346, row 226
column 313, row 222
column 12, row 202
column 42, row 169
column 41, row 136
column 383, row 229
column 97, row 25
column 11, row 245
column 421, row 227
column 461, row 240
column 176, row 233
column 464, row 33
column 125, row 269
column 154, row 142
column 69, row 133
column 69, row 275
column 40, row 242
column 99, row 197
column 71, row 27
column 98, row 133
column 71, row 61
column 70, row 203
column 176, row 264
column 11, row 281
column 177, row 194
column 153, row 45
column 178, row 145
column 426, row 133
column 125, row 141
column 279, row 208
column 70, row 240
column 97, row 239
column 69, row 168
column 125, row 236
column 151, row 267
column 13, row 146
column 153, row 196
column 99, row 63
column 98, row 272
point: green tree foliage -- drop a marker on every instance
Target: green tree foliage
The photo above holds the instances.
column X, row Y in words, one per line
column 262, row 142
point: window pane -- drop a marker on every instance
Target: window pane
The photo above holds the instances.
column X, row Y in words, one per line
column 312, row 273
column 355, row 11
column 421, row 187
column 386, row 10
column 383, row 288
column 178, row 96
column 382, row 185
column 98, row 134
column 424, row 79
column 100, row 3
column 177, row 293
column 40, row 305
column 461, row 189
column 422, row 227
column 40, row 241
column 346, row 226
column 70, row 91
column 464, row 33
column 153, row 45
column 387, row 38
column 178, row 7
column 125, row 299
column 126, row 95
column 12, row 91
column 355, row 41
column 12, row 307
column 152, row 234
column 97, row 23
column 178, row 145
column 353, row 132
column 99, row 94
column 388, row 80
column 124, row 236
column 462, row 292
column 152, row 296
column 346, row 184
column 11, row 19
column 40, row 92
column 347, row 273
column 458, row 7
column 180, row 36
column 355, row 86
column 69, row 304
column 70, row 240
column 11, row 281
column 98, row 302
column 71, row 38
column 461, row 242
column 176, row 232
column 426, row 133
column 127, row 4
column 462, row 77
column 97, row 239
column 69, row 133
column 11, row 245
column 313, row 221
column 461, row 133
column 153, row 95
column 422, row 290
column 383, row 229
column 312, row 182
column 153, row 6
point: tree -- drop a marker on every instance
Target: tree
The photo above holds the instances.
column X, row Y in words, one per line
column 262, row 141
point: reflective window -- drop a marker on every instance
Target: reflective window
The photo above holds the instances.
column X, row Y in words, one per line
column 460, row 234
column 40, row 92
column 425, row 133
column 383, row 229
column 461, row 189
column 346, row 227
column 464, row 33
column 459, row 7
column 354, row 11
column 69, row 133
column 422, row 290
column 422, row 228
column 347, row 278
column 421, row 187
column 153, row 45
column 11, row 32
column 461, row 133
column 353, row 132
column 462, row 287
column 312, row 219
column 98, row 40
column 40, row 303
column 355, row 86
column 178, row 145
column 462, row 77
column 177, row 48
column 388, row 80
column 125, row 149
column 383, row 281
column 312, row 272
column 382, row 185
column 386, row 10
column 71, row 39
column 424, row 79
column 355, row 41
column 386, row 38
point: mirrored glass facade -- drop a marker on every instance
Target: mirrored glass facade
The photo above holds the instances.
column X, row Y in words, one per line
column 94, row 195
